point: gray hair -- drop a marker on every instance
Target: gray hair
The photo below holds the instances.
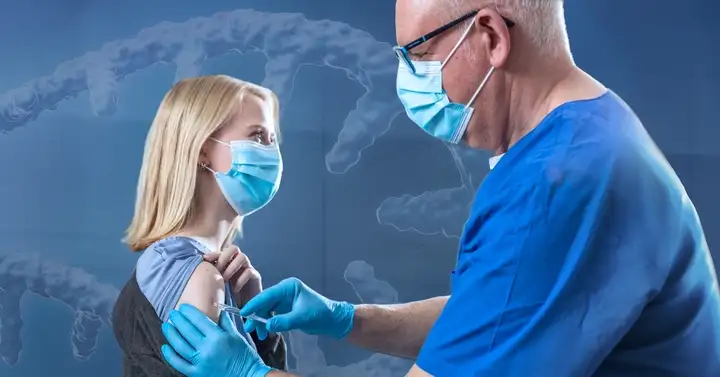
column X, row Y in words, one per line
column 543, row 21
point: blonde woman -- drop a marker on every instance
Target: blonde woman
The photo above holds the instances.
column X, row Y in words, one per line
column 211, row 157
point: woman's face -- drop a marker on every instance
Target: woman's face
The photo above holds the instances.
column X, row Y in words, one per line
column 252, row 120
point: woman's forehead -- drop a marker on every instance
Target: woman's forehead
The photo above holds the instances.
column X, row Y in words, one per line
column 252, row 112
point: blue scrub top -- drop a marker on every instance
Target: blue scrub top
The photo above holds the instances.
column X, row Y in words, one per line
column 582, row 256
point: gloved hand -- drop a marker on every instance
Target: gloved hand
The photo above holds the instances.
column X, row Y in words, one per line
column 297, row 307
column 200, row 348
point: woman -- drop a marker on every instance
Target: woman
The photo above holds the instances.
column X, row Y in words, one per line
column 211, row 158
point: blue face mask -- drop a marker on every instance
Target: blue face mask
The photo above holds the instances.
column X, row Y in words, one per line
column 253, row 178
column 426, row 102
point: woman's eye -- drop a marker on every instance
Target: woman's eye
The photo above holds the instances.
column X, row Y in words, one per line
column 258, row 137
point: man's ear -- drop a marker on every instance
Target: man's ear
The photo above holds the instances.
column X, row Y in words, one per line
column 495, row 36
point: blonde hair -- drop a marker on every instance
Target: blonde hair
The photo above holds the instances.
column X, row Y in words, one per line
column 189, row 114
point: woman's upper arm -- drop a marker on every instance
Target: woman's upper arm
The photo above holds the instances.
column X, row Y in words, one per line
column 204, row 289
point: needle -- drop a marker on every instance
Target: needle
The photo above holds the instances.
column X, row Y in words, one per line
column 236, row 311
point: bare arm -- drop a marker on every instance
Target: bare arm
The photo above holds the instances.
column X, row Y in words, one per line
column 399, row 329
column 205, row 288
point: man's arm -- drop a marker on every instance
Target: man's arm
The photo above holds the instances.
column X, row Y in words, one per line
column 399, row 329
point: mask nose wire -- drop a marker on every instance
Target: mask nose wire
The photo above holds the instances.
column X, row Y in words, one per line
column 457, row 45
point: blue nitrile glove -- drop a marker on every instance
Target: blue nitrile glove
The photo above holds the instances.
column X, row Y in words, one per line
column 200, row 348
column 297, row 307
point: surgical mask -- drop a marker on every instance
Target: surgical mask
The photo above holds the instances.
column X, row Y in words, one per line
column 426, row 102
column 253, row 178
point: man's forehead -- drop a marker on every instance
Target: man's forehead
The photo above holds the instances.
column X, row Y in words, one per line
column 415, row 18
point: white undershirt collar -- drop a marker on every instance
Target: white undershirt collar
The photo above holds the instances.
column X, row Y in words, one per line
column 494, row 160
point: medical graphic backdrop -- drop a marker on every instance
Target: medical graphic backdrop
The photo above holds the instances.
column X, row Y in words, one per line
column 370, row 210
column 289, row 41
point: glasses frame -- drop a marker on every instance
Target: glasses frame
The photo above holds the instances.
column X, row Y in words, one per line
column 402, row 51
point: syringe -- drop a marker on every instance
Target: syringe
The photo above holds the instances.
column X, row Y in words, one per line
column 235, row 311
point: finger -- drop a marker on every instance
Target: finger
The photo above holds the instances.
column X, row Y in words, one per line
column 250, row 325
column 267, row 300
column 212, row 257
column 177, row 342
column 283, row 322
column 225, row 256
column 200, row 321
column 227, row 323
column 261, row 328
column 241, row 280
column 262, row 331
column 186, row 329
column 234, row 266
column 177, row 362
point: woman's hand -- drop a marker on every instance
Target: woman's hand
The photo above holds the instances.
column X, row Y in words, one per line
column 245, row 281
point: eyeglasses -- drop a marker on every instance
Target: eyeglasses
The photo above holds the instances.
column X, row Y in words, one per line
column 402, row 51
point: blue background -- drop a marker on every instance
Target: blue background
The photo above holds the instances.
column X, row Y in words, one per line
column 67, row 184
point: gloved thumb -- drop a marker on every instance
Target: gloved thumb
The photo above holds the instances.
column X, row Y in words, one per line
column 283, row 322
column 226, row 323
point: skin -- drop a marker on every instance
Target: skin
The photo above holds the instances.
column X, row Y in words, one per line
column 214, row 218
column 398, row 330
column 526, row 86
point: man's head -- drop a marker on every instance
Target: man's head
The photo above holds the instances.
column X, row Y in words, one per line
column 516, row 37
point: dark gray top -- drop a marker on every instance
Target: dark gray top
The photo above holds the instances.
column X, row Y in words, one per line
column 150, row 295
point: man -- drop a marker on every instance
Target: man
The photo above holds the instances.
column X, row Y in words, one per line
column 582, row 255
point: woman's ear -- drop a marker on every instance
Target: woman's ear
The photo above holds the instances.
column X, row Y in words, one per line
column 204, row 158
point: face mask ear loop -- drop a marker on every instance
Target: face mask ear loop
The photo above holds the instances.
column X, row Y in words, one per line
column 219, row 141
column 204, row 166
column 457, row 45
column 482, row 85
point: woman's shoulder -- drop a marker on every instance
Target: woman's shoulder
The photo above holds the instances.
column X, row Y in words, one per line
column 163, row 254
column 167, row 251
column 170, row 248
column 163, row 270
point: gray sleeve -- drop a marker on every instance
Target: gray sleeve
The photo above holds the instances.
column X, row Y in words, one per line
column 163, row 271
